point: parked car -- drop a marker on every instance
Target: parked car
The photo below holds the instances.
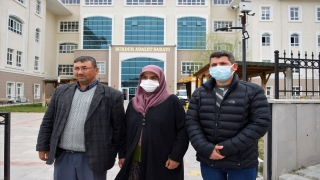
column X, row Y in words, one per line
column 183, row 96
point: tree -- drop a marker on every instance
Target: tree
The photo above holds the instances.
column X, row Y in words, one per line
column 218, row 41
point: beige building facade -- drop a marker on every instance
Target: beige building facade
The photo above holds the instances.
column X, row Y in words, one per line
column 41, row 38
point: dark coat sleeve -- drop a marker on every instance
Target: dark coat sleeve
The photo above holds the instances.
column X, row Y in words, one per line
column 46, row 127
column 194, row 128
column 257, row 126
column 181, row 142
column 117, row 119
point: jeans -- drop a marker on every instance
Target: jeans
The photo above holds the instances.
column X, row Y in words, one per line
column 210, row 173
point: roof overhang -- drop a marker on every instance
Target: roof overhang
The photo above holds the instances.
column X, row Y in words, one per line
column 56, row 7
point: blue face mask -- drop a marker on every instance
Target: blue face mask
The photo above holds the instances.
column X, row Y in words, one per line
column 221, row 73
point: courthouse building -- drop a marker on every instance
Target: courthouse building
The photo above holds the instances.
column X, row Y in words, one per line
column 39, row 39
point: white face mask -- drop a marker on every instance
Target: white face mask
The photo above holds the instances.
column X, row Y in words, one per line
column 149, row 85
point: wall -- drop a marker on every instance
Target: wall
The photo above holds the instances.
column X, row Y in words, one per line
column 295, row 135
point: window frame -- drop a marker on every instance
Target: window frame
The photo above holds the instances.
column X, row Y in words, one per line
column 10, row 53
column 144, row 3
column 37, row 35
column 19, row 59
column 36, row 63
column 15, row 25
column 38, row 7
column 262, row 12
column 191, row 3
column 101, row 64
column 219, row 4
column 72, row 30
column 36, row 91
column 93, row 3
column 224, row 22
column 294, row 38
column 12, row 90
column 266, row 38
column 269, row 92
column 195, row 66
column 21, row 94
column 65, row 69
column 317, row 13
column 67, row 2
column 299, row 16
column 63, row 48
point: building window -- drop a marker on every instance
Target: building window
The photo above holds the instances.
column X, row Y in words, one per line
column 223, row 46
column 21, row 1
column 188, row 68
column 144, row 30
column 19, row 59
column 20, row 90
column 294, row 14
column 224, row 2
column 222, row 24
column 36, row 63
column 9, row 56
column 317, row 13
column 269, row 92
column 65, row 70
column 294, row 40
column 100, row 2
column 70, row 26
column 70, row 1
column 67, row 47
column 144, row 2
column 265, row 13
column 38, row 7
column 191, row 33
column 296, row 92
column 37, row 36
column 37, row 91
column 97, row 32
column 319, row 40
column 15, row 25
column 10, row 90
column 192, row 2
column 102, row 67
column 265, row 39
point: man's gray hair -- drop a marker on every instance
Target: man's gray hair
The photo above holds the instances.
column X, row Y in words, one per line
column 221, row 53
column 86, row 58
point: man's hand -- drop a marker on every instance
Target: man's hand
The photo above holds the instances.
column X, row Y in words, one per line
column 43, row 155
column 120, row 162
column 170, row 164
column 216, row 154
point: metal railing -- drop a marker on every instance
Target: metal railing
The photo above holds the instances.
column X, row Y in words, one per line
column 5, row 119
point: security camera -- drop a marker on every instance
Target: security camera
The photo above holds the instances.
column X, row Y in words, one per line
column 251, row 13
column 235, row 7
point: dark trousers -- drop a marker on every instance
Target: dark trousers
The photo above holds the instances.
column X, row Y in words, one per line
column 73, row 166
column 209, row 173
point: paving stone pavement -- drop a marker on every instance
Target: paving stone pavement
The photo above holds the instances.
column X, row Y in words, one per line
column 25, row 164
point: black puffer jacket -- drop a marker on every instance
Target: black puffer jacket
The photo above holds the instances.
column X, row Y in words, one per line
column 244, row 118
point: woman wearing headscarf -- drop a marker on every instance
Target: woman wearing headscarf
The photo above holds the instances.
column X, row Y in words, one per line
column 156, row 139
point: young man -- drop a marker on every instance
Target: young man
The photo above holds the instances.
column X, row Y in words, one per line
column 225, row 119
column 81, row 129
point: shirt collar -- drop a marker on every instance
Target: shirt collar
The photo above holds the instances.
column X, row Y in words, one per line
column 90, row 86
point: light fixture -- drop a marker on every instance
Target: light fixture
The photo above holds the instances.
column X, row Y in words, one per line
column 251, row 14
column 245, row 35
column 235, row 7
